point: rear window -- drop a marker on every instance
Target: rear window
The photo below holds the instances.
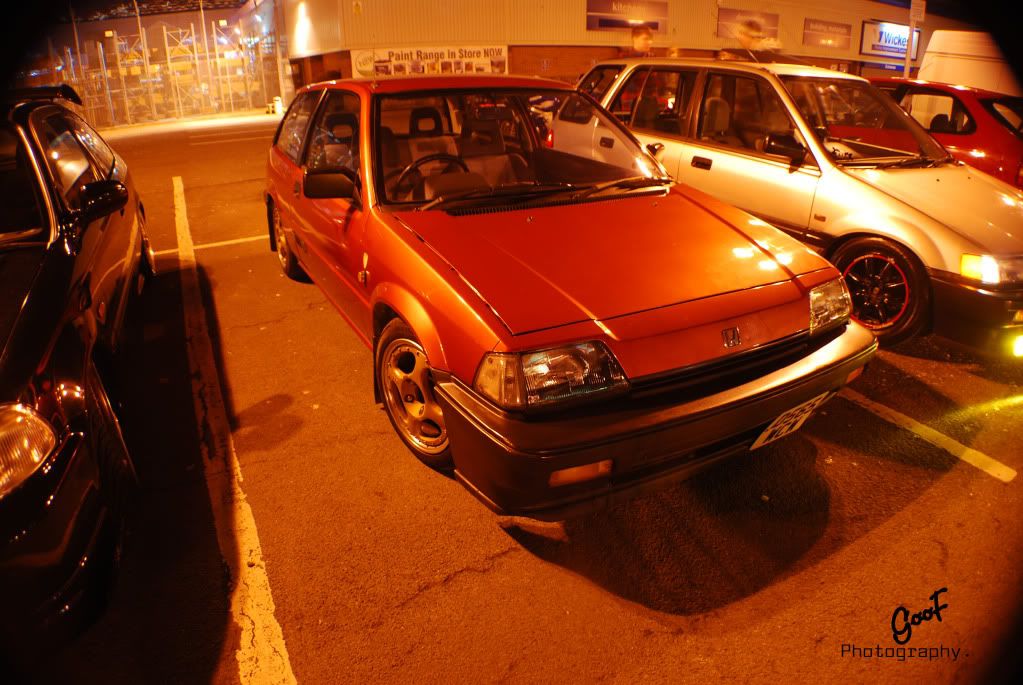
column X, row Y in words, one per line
column 1008, row 112
column 22, row 216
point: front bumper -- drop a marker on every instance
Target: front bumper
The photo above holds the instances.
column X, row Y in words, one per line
column 506, row 461
column 984, row 319
column 55, row 537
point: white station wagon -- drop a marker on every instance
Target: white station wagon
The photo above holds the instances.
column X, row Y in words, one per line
column 925, row 243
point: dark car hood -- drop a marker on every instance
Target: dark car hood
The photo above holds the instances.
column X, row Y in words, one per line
column 18, row 269
column 555, row 265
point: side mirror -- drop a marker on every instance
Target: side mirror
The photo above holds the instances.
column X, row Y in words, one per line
column 785, row 145
column 334, row 183
column 102, row 198
column 655, row 148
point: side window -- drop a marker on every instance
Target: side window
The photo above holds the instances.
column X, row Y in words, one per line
column 334, row 140
column 23, row 213
column 625, row 102
column 663, row 102
column 96, row 146
column 600, row 80
column 68, row 163
column 741, row 112
column 292, row 133
column 938, row 112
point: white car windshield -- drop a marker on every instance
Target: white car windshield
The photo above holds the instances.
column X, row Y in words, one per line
column 489, row 145
column 858, row 124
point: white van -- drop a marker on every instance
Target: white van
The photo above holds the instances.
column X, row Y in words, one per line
column 968, row 58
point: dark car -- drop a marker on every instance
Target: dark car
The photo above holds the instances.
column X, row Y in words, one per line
column 73, row 253
column 979, row 127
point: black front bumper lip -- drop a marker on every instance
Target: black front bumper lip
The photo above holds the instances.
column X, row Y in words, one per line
column 506, row 461
column 979, row 317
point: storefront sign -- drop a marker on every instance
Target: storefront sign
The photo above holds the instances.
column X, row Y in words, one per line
column 734, row 23
column 884, row 39
column 469, row 59
column 826, row 34
column 611, row 15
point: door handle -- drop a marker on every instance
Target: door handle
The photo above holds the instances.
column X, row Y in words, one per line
column 702, row 162
column 297, row 187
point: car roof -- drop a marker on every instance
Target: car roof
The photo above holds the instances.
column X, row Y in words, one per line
column 410, row 84
column 939, row 85
column 777, row 68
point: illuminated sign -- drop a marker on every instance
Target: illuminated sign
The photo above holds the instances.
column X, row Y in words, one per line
column 826, row 34
column 610, row 15
column 885, row 39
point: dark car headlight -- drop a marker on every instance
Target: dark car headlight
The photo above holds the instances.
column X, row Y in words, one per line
column 830, row 305
column 991, row 270
column 25, row 442
column 540, row 378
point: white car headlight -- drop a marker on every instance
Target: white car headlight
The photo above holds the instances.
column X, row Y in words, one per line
column 25, row 442
column 540, row 378
column 991, row 270
column 830, row 305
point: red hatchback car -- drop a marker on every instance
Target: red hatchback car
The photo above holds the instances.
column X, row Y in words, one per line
column 548, row 314
column 979, row 127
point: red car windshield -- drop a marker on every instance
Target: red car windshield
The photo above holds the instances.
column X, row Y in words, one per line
column 490, row 144
column 858, row 124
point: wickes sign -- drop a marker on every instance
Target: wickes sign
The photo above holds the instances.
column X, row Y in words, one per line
column 885, row 39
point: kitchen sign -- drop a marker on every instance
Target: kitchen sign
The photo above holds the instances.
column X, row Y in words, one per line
column 885, row 39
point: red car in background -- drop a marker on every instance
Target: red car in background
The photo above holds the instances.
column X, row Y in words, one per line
column 979, row 127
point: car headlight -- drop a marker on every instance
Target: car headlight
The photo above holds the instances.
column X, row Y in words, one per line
column 525, row 380
column 830, row 305
column 25, row 441
column 992, row 270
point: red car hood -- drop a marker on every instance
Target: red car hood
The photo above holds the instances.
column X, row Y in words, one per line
column 550, row 266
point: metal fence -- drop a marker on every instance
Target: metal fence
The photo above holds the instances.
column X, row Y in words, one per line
column 126, row 79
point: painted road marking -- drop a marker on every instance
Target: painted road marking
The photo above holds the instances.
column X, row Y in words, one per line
column 232, row 140
column 262, row 655
column 219, row 243
column 990, row 466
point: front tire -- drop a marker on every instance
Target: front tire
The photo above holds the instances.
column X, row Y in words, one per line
column 406, row 385
column 890, row 291
column 289, row 262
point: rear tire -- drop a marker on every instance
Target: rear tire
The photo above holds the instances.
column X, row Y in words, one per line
column 406, row 386
column 890, row 291
column 289, row 262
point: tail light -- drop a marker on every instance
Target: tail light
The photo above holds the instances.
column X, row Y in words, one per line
column 549, row 140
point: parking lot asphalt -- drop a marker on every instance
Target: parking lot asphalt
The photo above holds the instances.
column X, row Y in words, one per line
column 292, row 536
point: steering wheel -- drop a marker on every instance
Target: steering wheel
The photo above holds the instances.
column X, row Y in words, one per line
column 435, row 157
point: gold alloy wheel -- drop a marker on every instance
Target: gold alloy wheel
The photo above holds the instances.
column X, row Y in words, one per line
column 282, row 242
column 408, row 391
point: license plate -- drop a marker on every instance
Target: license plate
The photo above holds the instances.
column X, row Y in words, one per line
column 790, row 421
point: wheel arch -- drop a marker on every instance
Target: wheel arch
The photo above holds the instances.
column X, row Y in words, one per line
column 391, row 301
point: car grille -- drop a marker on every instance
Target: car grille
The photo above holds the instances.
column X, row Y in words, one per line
column 715, row 376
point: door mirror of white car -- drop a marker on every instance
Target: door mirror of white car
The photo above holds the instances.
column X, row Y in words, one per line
column 785, row 145
column 655, row 149
column 331, row 183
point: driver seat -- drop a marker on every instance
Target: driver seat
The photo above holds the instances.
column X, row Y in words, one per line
column 426, row 134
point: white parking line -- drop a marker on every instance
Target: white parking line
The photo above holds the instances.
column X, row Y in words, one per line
column 232, row 140
column 990, row 466
column 219, row 243
column 262, row 655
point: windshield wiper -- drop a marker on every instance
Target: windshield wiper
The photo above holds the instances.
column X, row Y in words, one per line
column 629, row 183
column 915, row 160
column 505, row 190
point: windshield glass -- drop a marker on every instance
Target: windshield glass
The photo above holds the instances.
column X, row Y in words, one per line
column 500, row 146
column 858, row 124
column 22, row 216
